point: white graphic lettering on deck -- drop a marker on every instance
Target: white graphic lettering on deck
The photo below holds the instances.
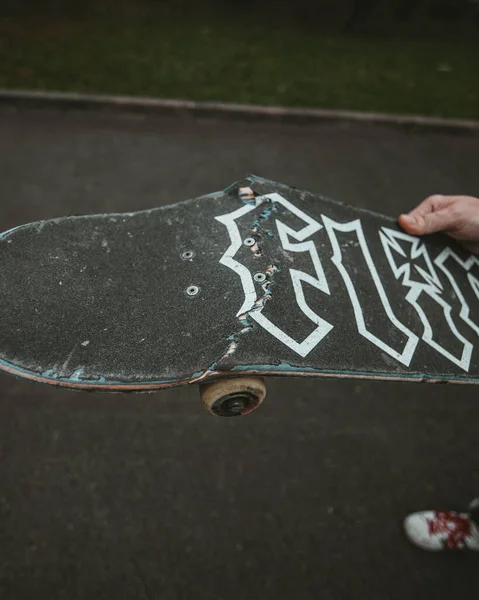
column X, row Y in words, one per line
column 301, row 244
column 472, row 263
column 404, row 354
column 423, row 281
column 375, row 319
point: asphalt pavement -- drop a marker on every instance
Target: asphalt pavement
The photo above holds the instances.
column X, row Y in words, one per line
column 147, row 496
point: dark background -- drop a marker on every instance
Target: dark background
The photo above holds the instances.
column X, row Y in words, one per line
column 416, row 57
column 373, row 16
column 147, row 496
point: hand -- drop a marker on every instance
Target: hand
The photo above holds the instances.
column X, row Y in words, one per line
column 458, row 216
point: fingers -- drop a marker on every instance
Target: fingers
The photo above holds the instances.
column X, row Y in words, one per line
column 433, row 222
column 409, row 224
column 432, row 204
column 432, row 215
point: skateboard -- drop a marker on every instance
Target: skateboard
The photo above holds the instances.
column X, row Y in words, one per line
column 259, row 279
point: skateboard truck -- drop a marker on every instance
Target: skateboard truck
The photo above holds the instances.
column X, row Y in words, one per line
column 233, row 397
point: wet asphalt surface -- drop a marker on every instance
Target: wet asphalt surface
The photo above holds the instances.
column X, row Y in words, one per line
column 146, row 496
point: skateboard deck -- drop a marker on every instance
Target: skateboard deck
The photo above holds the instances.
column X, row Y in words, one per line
column 259, row 279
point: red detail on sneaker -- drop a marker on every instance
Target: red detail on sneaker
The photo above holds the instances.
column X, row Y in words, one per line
column 457, row 528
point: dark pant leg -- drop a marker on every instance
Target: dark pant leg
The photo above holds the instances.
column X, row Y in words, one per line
column 475, row 516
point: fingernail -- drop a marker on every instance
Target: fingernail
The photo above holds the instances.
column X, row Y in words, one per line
column 410, row 218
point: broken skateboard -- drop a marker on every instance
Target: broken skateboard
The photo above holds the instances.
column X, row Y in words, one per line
column 260, row 279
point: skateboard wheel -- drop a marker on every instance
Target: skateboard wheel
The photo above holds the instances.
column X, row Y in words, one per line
column 233, row 397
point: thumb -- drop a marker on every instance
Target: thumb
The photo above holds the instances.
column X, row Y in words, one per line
column 443, row 220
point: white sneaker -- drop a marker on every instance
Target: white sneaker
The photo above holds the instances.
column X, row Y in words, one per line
column 436, row 530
